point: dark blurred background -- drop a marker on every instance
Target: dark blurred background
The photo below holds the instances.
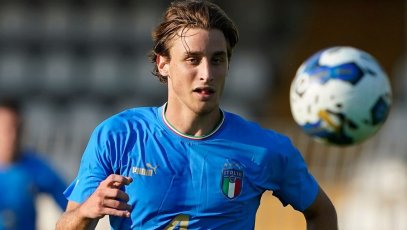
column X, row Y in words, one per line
column 74, row 63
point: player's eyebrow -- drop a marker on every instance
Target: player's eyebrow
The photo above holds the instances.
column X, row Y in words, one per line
column 199, row 53
column 193, row 54
column 220, row 53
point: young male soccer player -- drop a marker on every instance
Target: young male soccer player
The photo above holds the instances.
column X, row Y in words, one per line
column 188, row 164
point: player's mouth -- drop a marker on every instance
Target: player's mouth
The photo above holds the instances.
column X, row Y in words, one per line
column 204, row 92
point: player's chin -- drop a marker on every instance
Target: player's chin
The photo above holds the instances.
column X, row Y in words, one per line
column 207, row 107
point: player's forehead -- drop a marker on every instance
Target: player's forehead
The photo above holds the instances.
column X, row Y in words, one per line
column 197, row 40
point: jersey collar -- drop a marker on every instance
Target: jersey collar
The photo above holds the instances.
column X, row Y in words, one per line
column 184, row 135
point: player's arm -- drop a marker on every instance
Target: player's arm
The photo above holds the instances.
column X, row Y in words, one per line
column 72, row 219
column 107, row 199
column 321, row 214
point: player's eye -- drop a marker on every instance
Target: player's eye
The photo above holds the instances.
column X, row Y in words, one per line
column 193, row 60
column 218, row 60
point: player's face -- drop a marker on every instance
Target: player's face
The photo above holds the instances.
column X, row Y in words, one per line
column 196, row 70
column 9, row 123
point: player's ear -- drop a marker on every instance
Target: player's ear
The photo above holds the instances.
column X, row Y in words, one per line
column 162, row 65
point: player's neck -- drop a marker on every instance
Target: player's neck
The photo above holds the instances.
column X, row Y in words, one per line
column 191, row 123
column 7, row 158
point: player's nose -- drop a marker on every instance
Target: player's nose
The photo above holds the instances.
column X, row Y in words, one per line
column 205, row 71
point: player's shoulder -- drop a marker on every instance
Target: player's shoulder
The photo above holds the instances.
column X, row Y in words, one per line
column 130, row 118
column 138, row 114
column 256, row 133
column 33, row 159
column 251, row 127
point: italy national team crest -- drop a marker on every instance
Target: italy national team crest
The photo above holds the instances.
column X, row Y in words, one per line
column 232, row 179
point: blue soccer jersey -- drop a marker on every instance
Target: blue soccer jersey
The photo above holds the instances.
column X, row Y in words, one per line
column 20, row 185
column 210, row 182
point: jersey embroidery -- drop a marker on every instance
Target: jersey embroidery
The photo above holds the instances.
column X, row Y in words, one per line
column 232, row 179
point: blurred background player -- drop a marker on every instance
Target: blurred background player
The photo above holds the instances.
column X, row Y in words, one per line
column 23, row 174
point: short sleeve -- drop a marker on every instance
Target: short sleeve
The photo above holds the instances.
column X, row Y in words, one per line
column 297, row 187
column 96, row 164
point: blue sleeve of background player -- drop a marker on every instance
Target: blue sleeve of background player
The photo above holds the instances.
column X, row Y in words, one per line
column 48, row 180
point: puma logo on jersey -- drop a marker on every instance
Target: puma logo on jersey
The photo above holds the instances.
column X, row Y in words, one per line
column 149, row 171
column 152, row 168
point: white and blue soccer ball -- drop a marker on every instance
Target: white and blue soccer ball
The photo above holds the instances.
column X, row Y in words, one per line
column 340, row 96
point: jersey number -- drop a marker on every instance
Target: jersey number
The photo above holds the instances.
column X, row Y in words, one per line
column 181, row 221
